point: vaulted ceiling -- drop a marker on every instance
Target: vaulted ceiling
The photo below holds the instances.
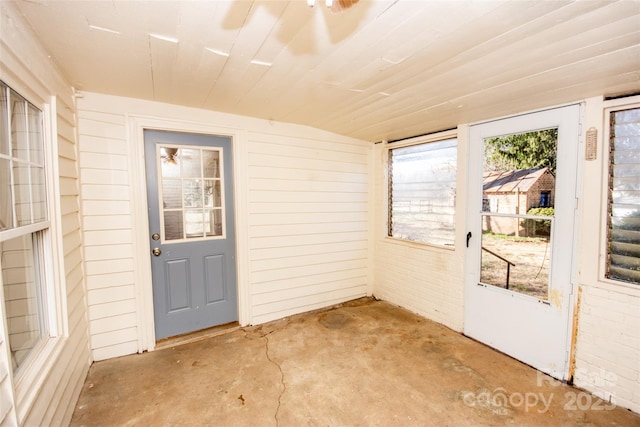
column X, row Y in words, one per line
column 379, row 70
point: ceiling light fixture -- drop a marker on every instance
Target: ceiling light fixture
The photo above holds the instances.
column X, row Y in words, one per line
column 336, row 6
column 312, row 3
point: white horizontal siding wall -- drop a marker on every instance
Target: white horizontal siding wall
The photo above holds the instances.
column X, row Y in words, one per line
column 308, row 229
column 26, row 67
column 428, row 280
column 306, row 210
column 107, row 224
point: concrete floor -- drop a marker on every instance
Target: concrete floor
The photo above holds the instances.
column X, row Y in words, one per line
column 364, row 363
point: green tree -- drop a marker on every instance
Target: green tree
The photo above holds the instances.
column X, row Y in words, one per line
column 531, row 150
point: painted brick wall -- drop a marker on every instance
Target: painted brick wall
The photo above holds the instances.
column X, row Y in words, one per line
column 607, row 353
column 608, row 350
column 427, row 280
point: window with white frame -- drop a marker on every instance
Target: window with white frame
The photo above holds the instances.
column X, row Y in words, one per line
column 623, row 243
column 422, row 192
column 23, row 224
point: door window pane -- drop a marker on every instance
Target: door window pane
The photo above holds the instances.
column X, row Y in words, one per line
column 173, row 227
column 194, row 223
column 213, row 194
column 191, row 192
column 211, row 164
column 519, row 189
column 214, row 222
column 170, row 162
column 171, row 193
column 191, row 163
column 520, row 264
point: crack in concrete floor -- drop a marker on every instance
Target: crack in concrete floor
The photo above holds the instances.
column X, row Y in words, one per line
column 284, row 386
column 359, row 364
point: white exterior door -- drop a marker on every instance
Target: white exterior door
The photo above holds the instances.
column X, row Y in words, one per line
column 518, row 283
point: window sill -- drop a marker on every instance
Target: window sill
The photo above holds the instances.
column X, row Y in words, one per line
column 418, row 245
column 610, row 285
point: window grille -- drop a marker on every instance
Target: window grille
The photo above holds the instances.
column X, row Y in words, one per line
column 623, row 255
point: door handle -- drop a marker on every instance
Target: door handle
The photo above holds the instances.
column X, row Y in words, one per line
column 156, row 251
column 468, row 238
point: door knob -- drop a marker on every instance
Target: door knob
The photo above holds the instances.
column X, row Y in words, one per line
column 156, row 251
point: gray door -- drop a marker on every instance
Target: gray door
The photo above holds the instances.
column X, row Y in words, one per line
column 191, row 231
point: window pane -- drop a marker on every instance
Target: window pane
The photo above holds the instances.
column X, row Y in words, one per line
column 4, row 122
column 191, row 165
column 21, row 278
column 19, row 135
column 6, row 205
column 211, row 163
column 192, row 193
column 170, row 162
column 520, row 264
column 624, row 197
column 22, row 202
column 518, row 180
column 213, row 194
column 171, row 193
column 38, row 194
column 22, row 174
column 22, row 192
column 35, row 136
column 214, row 222
column 173, row 227
column 422, row 192
column 194, row 223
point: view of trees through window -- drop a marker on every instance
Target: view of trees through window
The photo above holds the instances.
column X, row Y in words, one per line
column 518, row 209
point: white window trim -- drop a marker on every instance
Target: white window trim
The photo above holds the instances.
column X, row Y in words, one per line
column 45, row 355
column 608, row 107
column 418, row 140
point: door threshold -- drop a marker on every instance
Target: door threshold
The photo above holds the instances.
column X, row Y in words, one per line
column 196, row 335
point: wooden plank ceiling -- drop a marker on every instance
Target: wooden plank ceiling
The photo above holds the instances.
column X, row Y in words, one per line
column 380, row 70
